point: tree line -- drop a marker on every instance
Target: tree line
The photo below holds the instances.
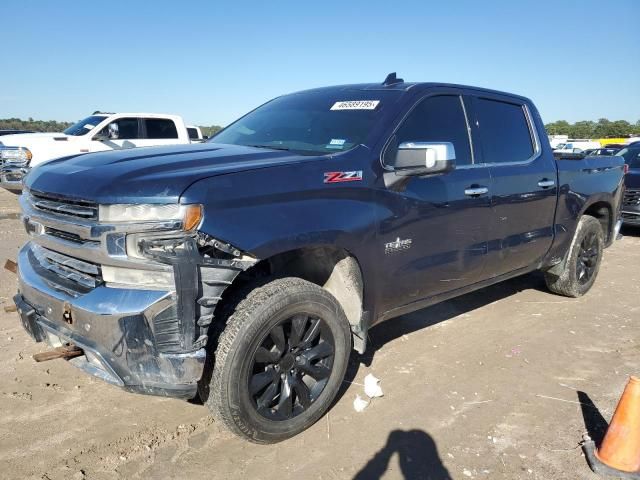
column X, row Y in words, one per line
column 55, row 126
column 603, row 128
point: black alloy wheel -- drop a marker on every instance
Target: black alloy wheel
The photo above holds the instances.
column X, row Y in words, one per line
column 587, row 257
column 577, row 273
column 291, row 367
column 280, row 360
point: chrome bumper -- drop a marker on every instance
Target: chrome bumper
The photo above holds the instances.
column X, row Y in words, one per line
column 11, row 177
column 114, row 327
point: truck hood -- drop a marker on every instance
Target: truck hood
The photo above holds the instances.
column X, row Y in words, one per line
column 148, row 175
column 26, row 139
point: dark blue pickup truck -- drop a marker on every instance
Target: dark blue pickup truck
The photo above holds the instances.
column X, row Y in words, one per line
column 245, row 269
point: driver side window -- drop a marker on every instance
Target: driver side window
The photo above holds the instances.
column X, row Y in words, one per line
column 438, row 119
column 122, row 129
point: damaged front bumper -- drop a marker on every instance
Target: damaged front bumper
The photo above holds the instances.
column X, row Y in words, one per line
column 146, row 335
column 114, row 327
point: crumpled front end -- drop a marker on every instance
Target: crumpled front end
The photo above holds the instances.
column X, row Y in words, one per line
column 136, row 297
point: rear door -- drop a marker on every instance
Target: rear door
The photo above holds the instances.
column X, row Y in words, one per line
column 524, row 189
column 159, row 131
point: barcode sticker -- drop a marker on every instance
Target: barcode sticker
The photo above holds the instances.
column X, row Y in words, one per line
column 356, row 105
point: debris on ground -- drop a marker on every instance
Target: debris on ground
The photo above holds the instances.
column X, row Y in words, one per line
column 359, row 404
column 372, row 386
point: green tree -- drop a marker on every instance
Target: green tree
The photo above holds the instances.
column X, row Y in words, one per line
column 210, row 131
column 583, row 129
column 603, row 128
column 561, row 127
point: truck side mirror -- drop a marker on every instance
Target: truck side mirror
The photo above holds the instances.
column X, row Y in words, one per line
column 424, row 158
column 110, row 132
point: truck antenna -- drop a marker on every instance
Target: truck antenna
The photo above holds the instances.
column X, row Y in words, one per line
column 392, row 79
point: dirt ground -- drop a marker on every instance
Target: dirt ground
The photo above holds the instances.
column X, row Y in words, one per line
column 490, row 385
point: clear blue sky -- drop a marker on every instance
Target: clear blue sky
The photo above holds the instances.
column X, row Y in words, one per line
column 213, row 61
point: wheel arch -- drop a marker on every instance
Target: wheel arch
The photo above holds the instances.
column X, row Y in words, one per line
column 602, row 210
column 331, row 267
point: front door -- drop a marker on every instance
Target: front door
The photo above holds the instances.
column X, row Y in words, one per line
column 433, row 229
column 121, row 133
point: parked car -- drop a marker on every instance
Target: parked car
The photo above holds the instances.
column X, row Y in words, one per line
column 248, row 267
column 601, row 152
column 631, row 204
column 13, row 132
column 98, row 132
column 576, row 146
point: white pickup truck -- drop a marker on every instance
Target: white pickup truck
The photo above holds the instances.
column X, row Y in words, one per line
column 98, row 132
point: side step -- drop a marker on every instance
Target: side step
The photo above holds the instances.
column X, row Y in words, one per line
column 69, row 351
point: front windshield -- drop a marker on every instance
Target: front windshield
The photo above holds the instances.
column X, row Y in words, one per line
column 311, row 123
column 631, row 156
column 84, row 126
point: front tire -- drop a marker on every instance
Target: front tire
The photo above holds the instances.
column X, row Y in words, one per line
column 583, row 260
column 280, row 360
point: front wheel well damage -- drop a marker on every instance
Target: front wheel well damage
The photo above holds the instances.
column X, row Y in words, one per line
column 330, row 267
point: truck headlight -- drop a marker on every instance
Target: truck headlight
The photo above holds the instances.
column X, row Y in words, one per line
column 20, row 156
column 190, row 215
column 147, row 279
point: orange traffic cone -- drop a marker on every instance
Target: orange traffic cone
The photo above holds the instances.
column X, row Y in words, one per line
column 620, row 449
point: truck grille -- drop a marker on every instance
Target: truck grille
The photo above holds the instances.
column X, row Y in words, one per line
column 631, row 197
column 80, row 273
column 68, row 208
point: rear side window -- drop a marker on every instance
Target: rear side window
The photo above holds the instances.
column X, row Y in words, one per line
column 158, row 128
column 504, row 131
column 438, row 119
column 193, row 133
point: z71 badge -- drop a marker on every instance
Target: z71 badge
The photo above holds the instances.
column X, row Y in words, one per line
column 337, row 177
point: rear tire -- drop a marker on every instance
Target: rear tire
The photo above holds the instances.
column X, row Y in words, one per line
column 583, row 260
column 280, row 361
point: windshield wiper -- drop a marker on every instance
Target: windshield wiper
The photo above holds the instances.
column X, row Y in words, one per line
column 270, row 146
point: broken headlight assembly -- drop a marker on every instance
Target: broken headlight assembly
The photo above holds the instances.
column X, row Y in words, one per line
column 156, row 245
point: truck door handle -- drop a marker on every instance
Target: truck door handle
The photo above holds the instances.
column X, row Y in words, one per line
column 546, row 183
column 475, row 191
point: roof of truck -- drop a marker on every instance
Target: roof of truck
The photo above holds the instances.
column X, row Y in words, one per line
column 139, row 114
column 406, row 86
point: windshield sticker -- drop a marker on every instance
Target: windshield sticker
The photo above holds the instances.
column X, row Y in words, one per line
column 338, row 177
column 88, row 126
column 356, row 105
column 336, row 143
